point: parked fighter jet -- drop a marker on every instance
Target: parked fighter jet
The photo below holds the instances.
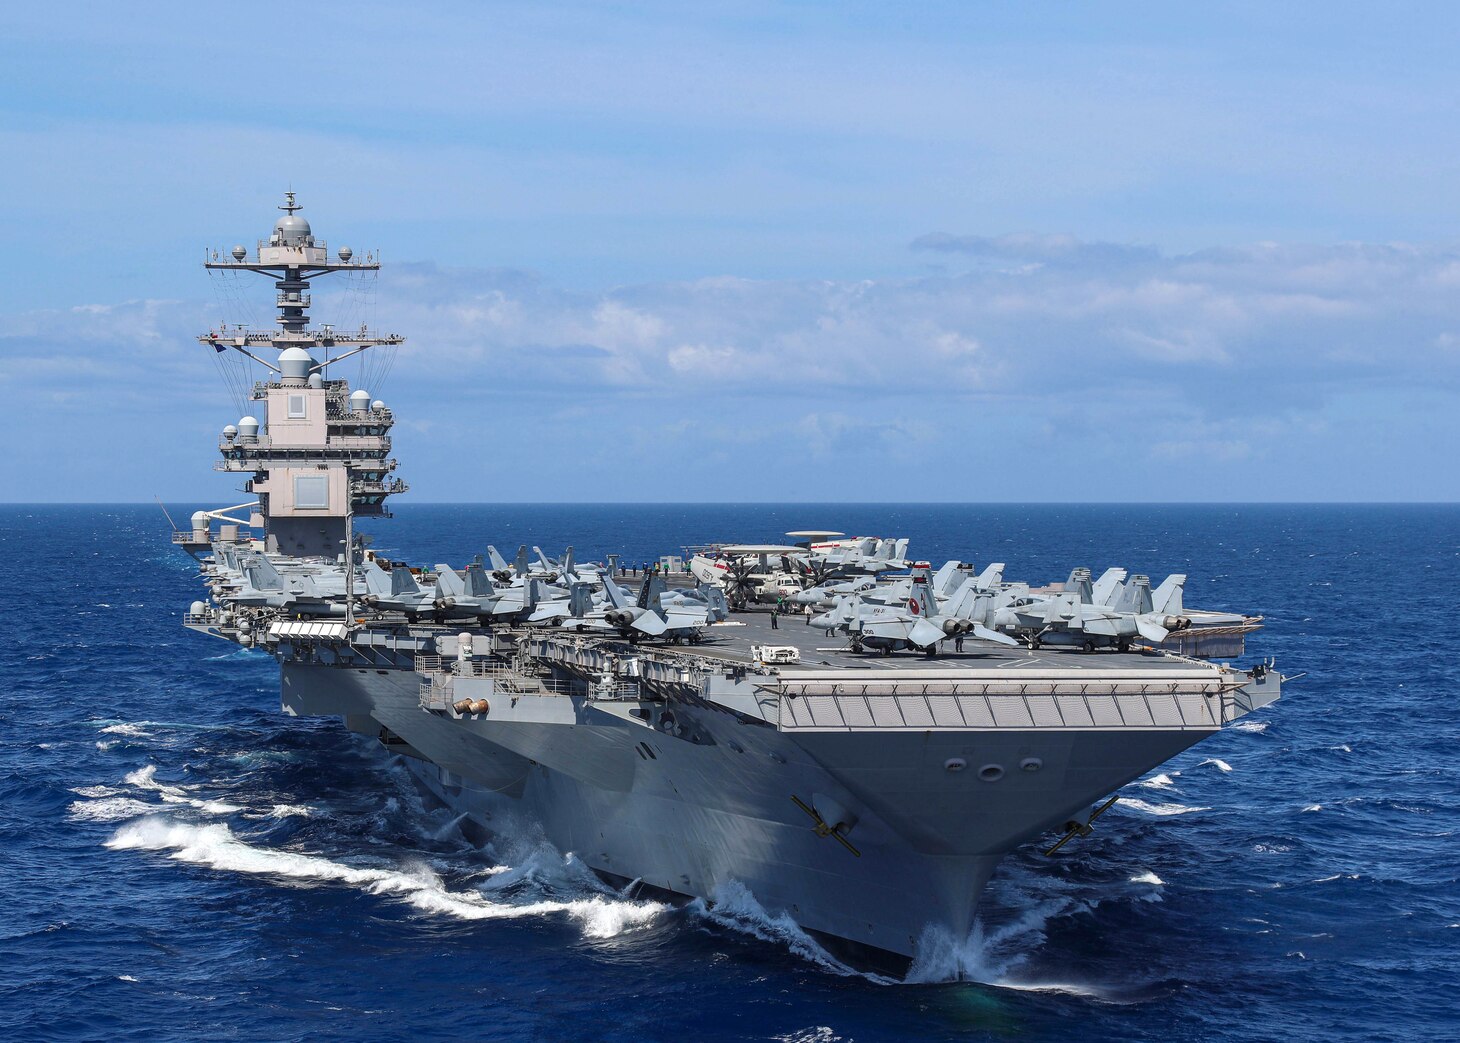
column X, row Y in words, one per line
column 308, row 592
column 916, row 622
column 828, row 593
column 397, row 591
column 468, row 593
column 1068, row 619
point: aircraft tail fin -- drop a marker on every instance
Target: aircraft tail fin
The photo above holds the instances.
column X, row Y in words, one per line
column 580, row 600
column 476, row 583
column 262, row 575
column 448, row 583
column 991, row 577
column 923, row 592
column 1167, row 597
column 899, row 548
column 521, row 564
column 567, row 569
column 961, row 601
column 1137, row 595
column 542, row 559
column 1105, row 586
column 377, row 581
column 402, row 582
column 614, row 592
column 499, row 564
column 945, row 578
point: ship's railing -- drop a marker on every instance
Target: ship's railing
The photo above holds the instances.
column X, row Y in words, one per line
column 181, row 536
column 313, row 244
column 440, row 672
column 197, row 618
column 386, row 488
column 629, row 690
column 266, row 443
column 436, row 696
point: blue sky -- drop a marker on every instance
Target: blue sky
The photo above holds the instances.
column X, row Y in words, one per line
column 776, row 252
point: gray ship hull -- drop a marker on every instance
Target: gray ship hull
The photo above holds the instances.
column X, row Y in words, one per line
column 697, row 817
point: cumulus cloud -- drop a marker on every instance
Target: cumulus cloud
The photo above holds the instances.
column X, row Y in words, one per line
column 1058, row 350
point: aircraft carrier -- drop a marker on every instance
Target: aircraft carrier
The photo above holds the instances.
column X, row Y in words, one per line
column 864, row 774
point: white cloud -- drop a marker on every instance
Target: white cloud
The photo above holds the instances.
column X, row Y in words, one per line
column 1262, row 357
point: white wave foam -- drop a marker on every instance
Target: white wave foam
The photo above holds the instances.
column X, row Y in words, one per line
column 107, row 744
column 1162, row 781
column 1158, row 809
column 732, row 905
column 125, row 977
column 217, row 847
column 1218, row 763
column 1314, row 807
column 815, row 1034
column 994, row 956
column 94, row 792
column 144, row 778
column 1256, row 727
column 290, row 810
column 1148, row 877
column 109, row 809
column 126, row 729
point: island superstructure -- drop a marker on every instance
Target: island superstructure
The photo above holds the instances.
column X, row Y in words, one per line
column 863, row 775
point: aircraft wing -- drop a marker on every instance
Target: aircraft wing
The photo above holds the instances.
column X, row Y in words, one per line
column 650, row 623
column 925, row 633
column 1151, row 630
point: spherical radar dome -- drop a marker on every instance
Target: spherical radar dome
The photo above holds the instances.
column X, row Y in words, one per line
column 292, row 229
column 295, row 364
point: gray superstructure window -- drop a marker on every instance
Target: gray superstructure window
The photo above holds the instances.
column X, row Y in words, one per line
column 298, row 408
column 312, row 491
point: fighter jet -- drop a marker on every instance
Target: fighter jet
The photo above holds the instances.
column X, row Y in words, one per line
column 398, row 591
column 261, row 585
column 917, row 622
column 828, row 593
column 1068, row 619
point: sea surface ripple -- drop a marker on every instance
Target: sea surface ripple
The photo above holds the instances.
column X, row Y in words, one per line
column 184, row 862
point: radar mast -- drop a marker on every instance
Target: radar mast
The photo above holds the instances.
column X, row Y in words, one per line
column 318, row 453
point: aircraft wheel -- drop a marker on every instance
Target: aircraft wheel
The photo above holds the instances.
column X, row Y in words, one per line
column 1123, row 645
column 1034, row 643
column 1088, row 646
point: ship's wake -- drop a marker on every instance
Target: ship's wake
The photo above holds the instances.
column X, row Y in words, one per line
column 419, row 885
column 448, row 877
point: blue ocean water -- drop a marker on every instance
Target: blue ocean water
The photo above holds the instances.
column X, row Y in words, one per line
column 184, row 862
